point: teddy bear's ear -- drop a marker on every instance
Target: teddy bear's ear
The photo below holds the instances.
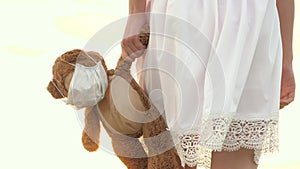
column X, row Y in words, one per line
column 52, row 89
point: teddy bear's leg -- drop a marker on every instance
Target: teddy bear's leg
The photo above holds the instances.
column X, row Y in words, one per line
column 130, row 151
column 161, row 149
column 166, row 160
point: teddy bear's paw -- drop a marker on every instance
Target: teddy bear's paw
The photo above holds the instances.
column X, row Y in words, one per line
column 88, row 143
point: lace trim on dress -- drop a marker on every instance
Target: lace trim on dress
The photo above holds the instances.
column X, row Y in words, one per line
column 195, row 146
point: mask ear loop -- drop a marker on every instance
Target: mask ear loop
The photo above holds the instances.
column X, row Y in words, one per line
column 57, row 89
column 68, row 63
column 65, row 99
column 92, row 58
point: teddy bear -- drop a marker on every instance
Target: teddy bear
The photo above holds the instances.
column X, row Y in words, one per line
column 125, row 111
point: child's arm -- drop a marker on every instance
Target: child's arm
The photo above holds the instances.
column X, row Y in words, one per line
column 131, row 45
column 137, row 6
column 286, row 15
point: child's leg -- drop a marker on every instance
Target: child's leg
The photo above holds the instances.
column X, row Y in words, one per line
column 240, row 159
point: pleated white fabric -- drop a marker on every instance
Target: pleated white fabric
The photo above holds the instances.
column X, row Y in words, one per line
column 213, row 67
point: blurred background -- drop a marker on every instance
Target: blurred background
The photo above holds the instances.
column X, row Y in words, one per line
column 40, row 132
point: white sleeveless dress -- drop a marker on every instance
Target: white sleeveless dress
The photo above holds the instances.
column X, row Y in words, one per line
column 213, row 67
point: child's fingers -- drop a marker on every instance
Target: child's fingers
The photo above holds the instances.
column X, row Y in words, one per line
column 286, row 100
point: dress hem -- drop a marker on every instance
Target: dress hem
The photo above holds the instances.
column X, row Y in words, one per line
column 194, row 146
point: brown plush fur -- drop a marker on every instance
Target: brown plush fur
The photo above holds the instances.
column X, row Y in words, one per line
column 90, row 136
column 64, row 66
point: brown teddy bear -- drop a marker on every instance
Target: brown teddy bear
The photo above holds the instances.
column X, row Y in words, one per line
column 121, row 111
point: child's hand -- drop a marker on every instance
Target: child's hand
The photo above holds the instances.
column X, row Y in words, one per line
column 131, row 45
column 288, row 86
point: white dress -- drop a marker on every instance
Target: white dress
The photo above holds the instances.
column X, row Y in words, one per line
column 213, row 67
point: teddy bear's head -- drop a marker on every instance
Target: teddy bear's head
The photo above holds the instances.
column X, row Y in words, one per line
column 62, row 71
column 64, row 66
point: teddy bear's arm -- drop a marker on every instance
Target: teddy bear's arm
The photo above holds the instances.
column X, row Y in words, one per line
column 91, row 132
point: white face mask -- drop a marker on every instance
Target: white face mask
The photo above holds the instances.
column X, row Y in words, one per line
column 88, row 85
